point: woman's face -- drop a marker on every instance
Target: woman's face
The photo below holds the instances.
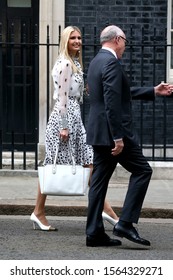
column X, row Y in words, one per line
column 74, row 43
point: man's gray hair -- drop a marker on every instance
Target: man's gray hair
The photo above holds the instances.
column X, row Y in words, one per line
column 109, row 33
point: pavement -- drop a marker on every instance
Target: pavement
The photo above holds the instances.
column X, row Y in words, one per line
column 18, row 190
column 18, row 241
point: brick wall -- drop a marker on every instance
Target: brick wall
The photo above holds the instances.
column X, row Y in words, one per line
column 139, row 13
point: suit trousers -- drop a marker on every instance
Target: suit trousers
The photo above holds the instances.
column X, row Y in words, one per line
column 104, row 164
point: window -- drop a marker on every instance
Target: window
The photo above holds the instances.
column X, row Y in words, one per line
column 170, row 42
column 19, row 3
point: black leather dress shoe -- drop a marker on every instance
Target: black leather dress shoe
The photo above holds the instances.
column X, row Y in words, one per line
column 103, row 240
column 130, row 233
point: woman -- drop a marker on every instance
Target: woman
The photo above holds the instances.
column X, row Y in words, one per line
column 65, row 123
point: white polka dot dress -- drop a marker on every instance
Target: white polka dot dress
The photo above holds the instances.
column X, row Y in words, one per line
column 68, row 95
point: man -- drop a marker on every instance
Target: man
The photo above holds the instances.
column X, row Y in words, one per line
column 111, row 134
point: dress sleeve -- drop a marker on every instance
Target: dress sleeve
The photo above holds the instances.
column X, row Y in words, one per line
column 62, row 82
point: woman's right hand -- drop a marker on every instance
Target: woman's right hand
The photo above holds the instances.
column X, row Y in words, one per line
column 64, row 134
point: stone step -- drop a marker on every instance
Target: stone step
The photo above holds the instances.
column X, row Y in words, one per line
column 161, row 171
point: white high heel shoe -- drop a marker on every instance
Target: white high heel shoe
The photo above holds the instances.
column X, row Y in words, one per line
column 37, row 222
column 109, row 219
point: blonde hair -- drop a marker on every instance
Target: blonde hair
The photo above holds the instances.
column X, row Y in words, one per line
column 63, row 47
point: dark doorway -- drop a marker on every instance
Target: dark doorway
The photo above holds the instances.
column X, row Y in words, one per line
column 19, row 92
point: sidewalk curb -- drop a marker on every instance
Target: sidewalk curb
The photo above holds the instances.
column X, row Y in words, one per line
column 79, row 211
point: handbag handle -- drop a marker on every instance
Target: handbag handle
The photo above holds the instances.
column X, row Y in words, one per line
column 72, row 157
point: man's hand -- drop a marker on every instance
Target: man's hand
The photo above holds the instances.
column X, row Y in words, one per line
column 163, row 89
column 119, row 145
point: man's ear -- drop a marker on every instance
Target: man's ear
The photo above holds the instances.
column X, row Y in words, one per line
column 117, row 39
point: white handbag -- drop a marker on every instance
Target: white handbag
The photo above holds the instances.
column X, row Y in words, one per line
column 63, row 180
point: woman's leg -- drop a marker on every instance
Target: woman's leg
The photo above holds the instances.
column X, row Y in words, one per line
column 107, row 207
column 39, row 209
column 109, row 211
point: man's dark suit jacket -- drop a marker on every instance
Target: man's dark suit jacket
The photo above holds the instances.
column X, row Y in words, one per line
column 110, row 115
